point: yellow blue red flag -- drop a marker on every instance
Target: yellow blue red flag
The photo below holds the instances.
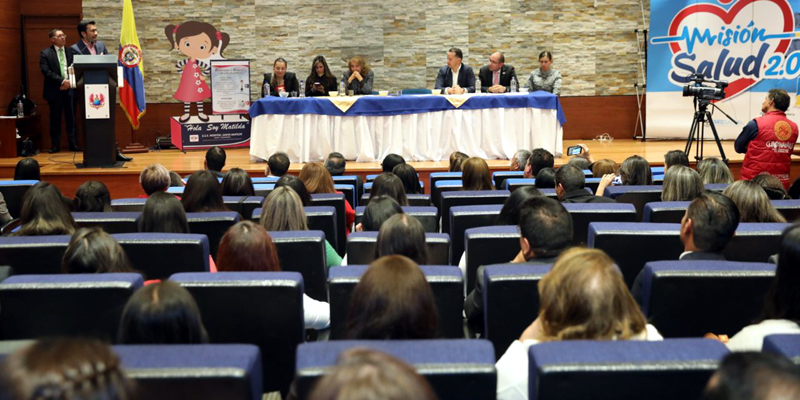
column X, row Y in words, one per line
column 131, row 96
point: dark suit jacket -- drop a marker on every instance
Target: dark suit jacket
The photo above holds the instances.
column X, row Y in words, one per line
column 473, row 304
column 329, row 83
column 48, row 64
column 506, row 73
column 466, row 78
column 289, row 80
column 80, row 48
column 582, row 196
column 636, row 289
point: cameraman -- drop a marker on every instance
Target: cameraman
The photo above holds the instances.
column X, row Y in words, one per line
column 768, row 140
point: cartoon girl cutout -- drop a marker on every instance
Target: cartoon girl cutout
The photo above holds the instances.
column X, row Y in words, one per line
column 198, row 41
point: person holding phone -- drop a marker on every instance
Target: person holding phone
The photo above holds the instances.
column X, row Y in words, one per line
column 321, row 80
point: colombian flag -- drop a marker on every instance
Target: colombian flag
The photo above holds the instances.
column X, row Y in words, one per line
column 131, row 96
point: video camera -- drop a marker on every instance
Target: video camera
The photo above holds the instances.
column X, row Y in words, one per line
column 702, row 91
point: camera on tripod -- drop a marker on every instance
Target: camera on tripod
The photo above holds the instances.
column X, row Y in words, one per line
column 702, row 90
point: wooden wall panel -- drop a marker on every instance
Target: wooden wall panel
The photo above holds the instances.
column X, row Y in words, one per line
column 590, row 116
column 11, row 56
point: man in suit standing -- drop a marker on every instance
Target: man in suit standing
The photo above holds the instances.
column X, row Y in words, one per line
column 53, row 62
column 496, row 77
column 455, row 78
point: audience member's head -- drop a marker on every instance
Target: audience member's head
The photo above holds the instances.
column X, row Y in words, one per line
column 378, row 210
column 675, row 157
column 27, row 169
column 297, row 185
column 51, row 368
column 215, row 159
column 709, row 223
column 408, row 175
column 540, row 158
column 519, row 160
column 237, row 183
column 365, row 374
column 585, row 298
column 316, row 178
column 512, row 208
column 579, row 162
column 393, row 300
column 44, row 212
column 247, row 247
column 335, row 164
column 278, row 164
column 603, row 167
column 392, row 160
column 635, row 170
column 283, row 211
column 752, row 202
column 754, row 376
column 203, row 193
column 456, row 159
column 404, row 235
column 175, row 180
column 771, row 185
column 569, row 179
column 783, row 299
column 545, row 228
column 155, row 178
column 713, row 170
column 476, row 175
column 546, row 178
column 92, row 250
column 388, row 184
column 161, row 313
column 163, row 213
column 92, row 196
column 681, row 184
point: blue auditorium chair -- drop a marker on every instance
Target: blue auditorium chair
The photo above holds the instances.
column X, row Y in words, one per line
column 213, row 225
column 244, row 205
column 354, row 180
column 512, row 184
column 790, row 209
column 428, row 216
column 318, row 218
column 129, row 204
column 636, row 195
column 717, row 187
column 584, row 214
column 264, row 179
column 489, row 245
column 349, row 192
column 468, row 198
column 466, row 217
column 784, row 345
column 33, row 254
column 443, row 176
column 335, row 200
column 665, row 211
column 159, row 255
column 304, row 252
column 263, row 189
column 13, row 192
column 368, row 187
column 110, row 222
column 442, row 186
column 361, row 248
column 414, row 200
column 755, row 242
column 499, row 177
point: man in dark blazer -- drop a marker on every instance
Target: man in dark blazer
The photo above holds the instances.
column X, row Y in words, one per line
column 53, row 62
column 570, row 184
column 496, row 77
column 465, row 77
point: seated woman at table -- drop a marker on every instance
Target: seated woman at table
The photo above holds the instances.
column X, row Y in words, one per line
column 545, row 77
column 321, row 80
column 359, row 76
column 280, row 80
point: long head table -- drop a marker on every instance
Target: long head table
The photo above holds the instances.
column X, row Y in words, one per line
column 419, row 128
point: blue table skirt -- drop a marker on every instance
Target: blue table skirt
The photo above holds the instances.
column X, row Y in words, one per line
column 397, row 105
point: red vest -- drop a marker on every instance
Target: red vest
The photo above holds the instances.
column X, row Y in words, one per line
column 771, row 150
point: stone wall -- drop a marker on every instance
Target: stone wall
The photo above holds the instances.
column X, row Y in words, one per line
column 405, row 41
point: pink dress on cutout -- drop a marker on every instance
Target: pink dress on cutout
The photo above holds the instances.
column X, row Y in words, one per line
column 193, row 86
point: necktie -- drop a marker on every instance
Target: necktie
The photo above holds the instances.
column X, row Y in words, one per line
column 62, row 62
column 496, row 78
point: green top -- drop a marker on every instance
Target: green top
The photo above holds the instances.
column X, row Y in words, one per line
column 332, row 256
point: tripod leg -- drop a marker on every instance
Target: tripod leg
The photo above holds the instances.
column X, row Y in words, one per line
column 692, row 134
column 716, row 138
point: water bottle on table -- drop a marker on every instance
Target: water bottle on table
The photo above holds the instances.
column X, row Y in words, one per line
column 513, row 84
column 20, row 109
column 342, row 89
column 266, row 89
column 477, row 85
column 302, row 88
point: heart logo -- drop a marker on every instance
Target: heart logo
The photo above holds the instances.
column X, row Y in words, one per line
column 728, row 17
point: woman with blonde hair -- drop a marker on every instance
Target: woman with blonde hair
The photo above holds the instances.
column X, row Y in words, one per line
column 359, row 76
column 714, row 170
column 603, row 167
column 681, row 184
column 476, row 175
column 752, row 202
column 283, row 211
column 318, row 180
column 582, row 298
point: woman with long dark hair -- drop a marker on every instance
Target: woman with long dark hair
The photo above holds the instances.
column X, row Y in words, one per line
column 203, row 193
column 321, row 80
column 45, row 212
column 161, row 313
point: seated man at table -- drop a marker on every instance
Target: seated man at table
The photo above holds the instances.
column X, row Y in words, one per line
column 455, row 77
column 496, row 77
column 570, row 183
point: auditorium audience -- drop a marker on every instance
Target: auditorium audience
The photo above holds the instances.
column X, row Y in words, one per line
column 634, row 171
column 277, row 165
column 392, row 160
column 335, row 164
column 280, row 80
column 155, row 178
column 545, row 231
column 404, row 235
column 681, row 183
column 65, row 368
column 393, row 301
column 754, row 376
column 321, row 80
column 27, row 169
column 215, row 161
column 713, row 170
column 781, row 312
column 5, row 216
column 318, row 180
column 570, row 183
column 512, row 207
column 408, row 175
column 44, row 212
column 163, row 213
column 175, row 180
column 545, row 77
column 546, row 179
column 675, row 157
column 602, row 167
column 92, row 196
column 580, row 162
column 203, row 193
column 366, row 374
column 161, row 313
column 456, row 159
column 476, row 175
column 92, row 250
column 377, row 212
column 297, row 185
column 389, row 184
column 752, row 202
column 582, row 298
column 283, row 211
column 771, row 185
column 540, row 158
column 519, row 160
column 237, row 183
column 358, row 77
column 247, row 247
